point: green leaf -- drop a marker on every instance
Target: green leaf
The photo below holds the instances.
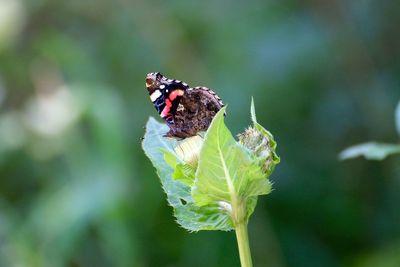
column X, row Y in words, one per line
column 182, row 172
column 160, row 151
column 226, row 172
column 170, row 158
column 397, row 118
column 371, row 150
column 185, row 173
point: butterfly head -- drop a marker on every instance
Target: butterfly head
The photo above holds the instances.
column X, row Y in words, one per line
column 153, row 81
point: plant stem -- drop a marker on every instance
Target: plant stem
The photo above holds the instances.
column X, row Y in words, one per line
column 243, row 244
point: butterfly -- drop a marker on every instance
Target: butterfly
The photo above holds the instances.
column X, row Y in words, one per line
column 186, row 110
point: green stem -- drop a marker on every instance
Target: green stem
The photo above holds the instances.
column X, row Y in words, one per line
column 243, row 244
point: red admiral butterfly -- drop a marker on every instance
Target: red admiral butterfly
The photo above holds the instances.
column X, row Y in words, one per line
column 186, row 110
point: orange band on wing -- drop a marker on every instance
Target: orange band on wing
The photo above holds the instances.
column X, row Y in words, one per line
column 167, row 108
column 174, row 94
column 168, row 102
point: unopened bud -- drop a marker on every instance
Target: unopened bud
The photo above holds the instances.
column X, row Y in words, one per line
column 262, row 146
column 188, row 150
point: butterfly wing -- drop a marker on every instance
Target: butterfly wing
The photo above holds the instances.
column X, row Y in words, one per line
column 196, row 109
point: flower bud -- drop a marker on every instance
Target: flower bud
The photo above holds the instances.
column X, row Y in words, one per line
column 188, row 150
column 262, row 144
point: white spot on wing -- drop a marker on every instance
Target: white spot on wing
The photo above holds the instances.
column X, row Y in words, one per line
column 180, row 107
column 162, row 86
column 156, row 94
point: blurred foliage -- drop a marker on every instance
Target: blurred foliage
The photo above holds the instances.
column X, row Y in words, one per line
column 374, row 150
column 77, row 190
column 370, row 150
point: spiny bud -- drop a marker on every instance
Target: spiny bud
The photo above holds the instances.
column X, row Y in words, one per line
column 263, row 147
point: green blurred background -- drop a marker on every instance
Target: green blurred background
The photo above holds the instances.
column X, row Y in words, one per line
column 76, row 188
